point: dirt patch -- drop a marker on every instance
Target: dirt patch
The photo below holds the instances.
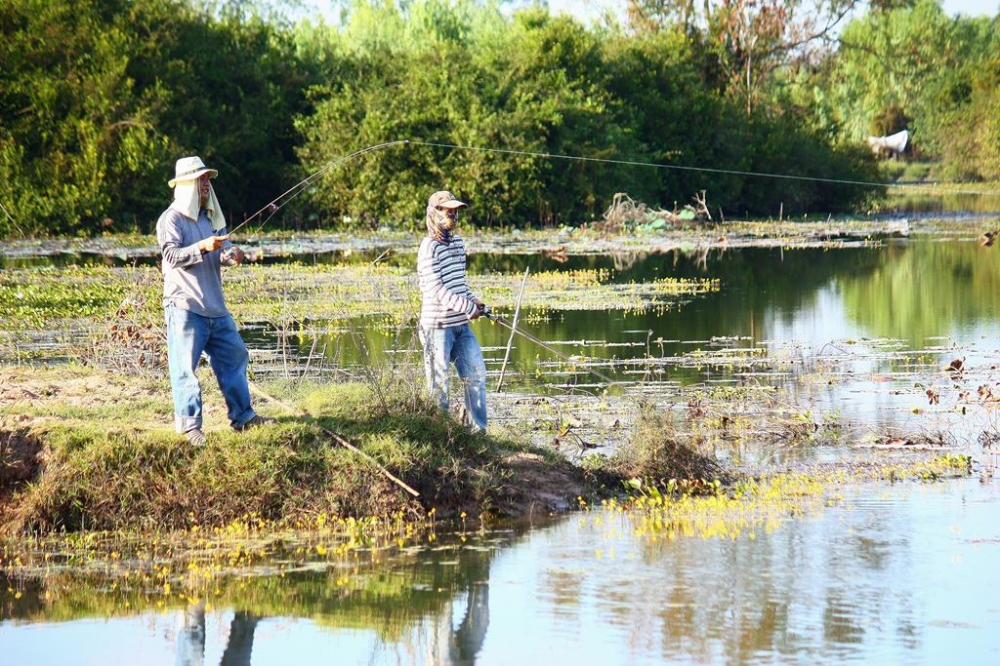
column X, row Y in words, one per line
column 543, row 486
column 67, row 386
column 20, row 464
column 19, row 460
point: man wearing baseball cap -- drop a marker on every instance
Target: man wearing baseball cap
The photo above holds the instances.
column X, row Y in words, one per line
column 448, row 306
column 192, row 238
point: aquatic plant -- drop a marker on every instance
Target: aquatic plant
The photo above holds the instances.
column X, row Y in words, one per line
column 656, row 456
column 112, row 315
column 748, row 504
column 331, row 567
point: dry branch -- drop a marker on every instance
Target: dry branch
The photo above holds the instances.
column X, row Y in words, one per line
column 624, row 212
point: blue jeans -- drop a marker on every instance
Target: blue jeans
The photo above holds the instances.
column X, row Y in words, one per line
column 188, row 335
column 458, row 345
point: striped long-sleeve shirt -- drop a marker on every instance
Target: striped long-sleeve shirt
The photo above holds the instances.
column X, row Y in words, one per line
column 447, row 298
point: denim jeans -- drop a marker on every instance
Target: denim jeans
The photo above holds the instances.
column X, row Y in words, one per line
column 458, row 345
column 188, row 335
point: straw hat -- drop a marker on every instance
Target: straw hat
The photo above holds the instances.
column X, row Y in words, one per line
column 191, row 168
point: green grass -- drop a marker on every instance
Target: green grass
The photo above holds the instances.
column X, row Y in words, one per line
column 103, row 456
column 656, row 453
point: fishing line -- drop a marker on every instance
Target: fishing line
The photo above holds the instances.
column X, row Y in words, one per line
column 679, row 167
column 528, row 336
column 301, row 186
column 295, row 190
column 274, row 206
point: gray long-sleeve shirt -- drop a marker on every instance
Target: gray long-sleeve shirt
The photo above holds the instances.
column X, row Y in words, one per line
column 192, row 280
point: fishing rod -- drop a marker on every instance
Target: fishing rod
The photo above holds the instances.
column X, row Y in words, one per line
column 10, row 217
column 337, row 438
column 301, row 186
column 7, row 213
column 488, row 313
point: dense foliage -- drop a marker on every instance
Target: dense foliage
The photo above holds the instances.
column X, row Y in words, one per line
column 98, row 98
column 916, row 68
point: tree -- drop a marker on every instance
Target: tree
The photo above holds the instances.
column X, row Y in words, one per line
column 100, row 97
column 232, row 87
column 913, row 62
column 752, row 39
column 73, row 129
column 533, row 89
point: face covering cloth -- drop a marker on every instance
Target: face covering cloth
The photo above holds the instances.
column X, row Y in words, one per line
column 440, row 223
column 188, row 202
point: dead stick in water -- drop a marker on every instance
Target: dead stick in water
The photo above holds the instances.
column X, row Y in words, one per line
column 337, row 438
column 510, row 341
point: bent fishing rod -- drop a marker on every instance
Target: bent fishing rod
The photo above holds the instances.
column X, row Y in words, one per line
column 301, row 186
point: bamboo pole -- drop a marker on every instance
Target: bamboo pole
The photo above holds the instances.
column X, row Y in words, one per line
column 510, row 341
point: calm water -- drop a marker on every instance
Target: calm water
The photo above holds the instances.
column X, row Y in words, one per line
column 862, row 332
column 890, row 575
column 897, row 574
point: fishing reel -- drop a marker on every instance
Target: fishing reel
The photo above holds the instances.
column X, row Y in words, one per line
column 485, row 311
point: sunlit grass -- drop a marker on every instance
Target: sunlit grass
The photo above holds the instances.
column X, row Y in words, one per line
column 123, row 498
column 99, row 453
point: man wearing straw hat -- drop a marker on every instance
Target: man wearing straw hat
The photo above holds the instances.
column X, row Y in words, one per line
column 192, row 238
column 447, row 308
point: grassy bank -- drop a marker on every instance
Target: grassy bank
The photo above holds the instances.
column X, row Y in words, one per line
column 88, row 444
column 106, row 510
column 88, row 449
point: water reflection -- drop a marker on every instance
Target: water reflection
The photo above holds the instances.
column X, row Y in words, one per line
column 887, row 310
column 191, row 638
column 892, row 574
column 974, row 199
column 872, row 321
column 860, row 333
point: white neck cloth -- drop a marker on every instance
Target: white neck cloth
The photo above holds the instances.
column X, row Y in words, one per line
column 187, row 201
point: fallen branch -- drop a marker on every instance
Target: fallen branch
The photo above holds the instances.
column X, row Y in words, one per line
column 624, row 212
column 337, row 438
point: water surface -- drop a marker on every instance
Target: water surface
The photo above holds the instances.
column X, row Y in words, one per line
column 885, row 574
column 888, row 574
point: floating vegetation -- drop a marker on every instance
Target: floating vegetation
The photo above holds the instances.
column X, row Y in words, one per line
column 744, row 507
column 562, row 240
column 713, row 402
column 52, row 314
column 197, row 554
column 333, row 566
